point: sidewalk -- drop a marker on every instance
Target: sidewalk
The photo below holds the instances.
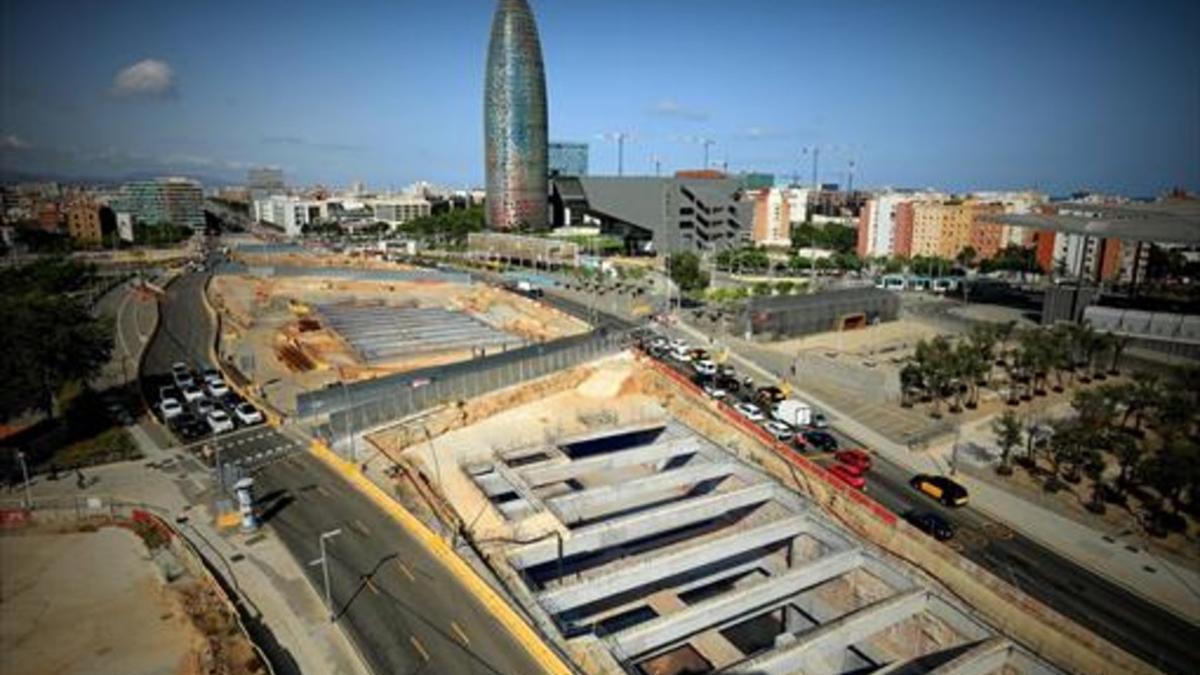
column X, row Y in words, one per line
column 1156, row 580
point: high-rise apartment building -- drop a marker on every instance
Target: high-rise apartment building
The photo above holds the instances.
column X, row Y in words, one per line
column 514, row 121
column 568, row 159
column 177, row 201
column 772, row 218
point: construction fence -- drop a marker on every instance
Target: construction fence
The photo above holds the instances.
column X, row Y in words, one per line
column 411, row 396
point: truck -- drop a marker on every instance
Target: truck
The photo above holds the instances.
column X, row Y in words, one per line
column 793, row 412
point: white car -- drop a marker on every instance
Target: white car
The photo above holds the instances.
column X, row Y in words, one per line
column 819, row 421
column 750, row 412
column 678, row 345
column 781, row 431
column 659, row 343
column 681, row 355
column 218, row 389
column 179, row 368
column 191, row 394
column 714, row 392
column 247, row 414
column 219, row 421
column 183, row 380
column 170, row 408
column 705, row 367
column 204, row 406
column 210, row 375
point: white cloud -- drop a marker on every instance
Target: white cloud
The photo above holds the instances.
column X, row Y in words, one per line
column 672, row 108
column 13, row 142
column 148, row 78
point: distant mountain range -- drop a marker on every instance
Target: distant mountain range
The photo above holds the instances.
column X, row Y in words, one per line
column 8, row 176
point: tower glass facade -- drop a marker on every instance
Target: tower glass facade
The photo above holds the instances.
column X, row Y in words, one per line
column 514, row 120
column 568, row 159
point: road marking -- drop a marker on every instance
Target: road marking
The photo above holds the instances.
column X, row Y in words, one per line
column 322, row 491
column 404, row 568
column 459, row 632
column 417, row 644
column 360, row 528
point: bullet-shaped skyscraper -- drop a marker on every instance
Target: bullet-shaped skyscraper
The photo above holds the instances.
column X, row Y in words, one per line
column 514, row 120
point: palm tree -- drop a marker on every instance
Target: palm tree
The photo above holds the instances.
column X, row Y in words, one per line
column 1119, row 344
column 1144, row 395
column 1008, row 436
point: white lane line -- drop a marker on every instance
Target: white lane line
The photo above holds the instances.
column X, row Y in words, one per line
column 458, row 631
column 404, row 568
column 417, row 643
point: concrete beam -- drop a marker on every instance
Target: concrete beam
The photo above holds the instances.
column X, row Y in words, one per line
column 838, row 634
column 595, row 502
column 661, row 567
column 644, row 524
column 986, row 657
column 536, row 475
column 731, row 607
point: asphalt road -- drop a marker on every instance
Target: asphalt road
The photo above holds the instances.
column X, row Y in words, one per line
column 1145, row 630
column 405, row 612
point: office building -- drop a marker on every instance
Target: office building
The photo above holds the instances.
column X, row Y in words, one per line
column 658, row 215
column 568, row 159
column 515, row 126
column 772, row 217
column 264, row 179
column 177, row 201
column 398, row 210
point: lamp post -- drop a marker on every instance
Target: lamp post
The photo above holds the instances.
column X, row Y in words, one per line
column 325, row 569
column 25, row 475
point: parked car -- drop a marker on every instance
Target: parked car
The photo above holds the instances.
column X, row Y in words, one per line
column 180, row 368
column 699, row 354
column 217, row 389
column 750, row 412
column 858, row 460
column 192, row 394
column 219, row 421
column 677, row 345
column 189, row 426
column 705, row 368
column 767, row 397
column 713, row 391
column 821, row 441
column 681, row 355
column 940, row 488
column 170, row 408
column 210, row 375
column 204, row 406
column 848, row 477
column 931, row 524
column 183, row 380
column 819, row 421
column 248, row 414
column 781, row 431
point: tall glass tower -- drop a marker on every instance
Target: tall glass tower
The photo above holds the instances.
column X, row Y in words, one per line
column 514, row 121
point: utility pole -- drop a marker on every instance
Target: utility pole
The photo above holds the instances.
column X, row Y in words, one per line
column 707, row 143
column 323, row 562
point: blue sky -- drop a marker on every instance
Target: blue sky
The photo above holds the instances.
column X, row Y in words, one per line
column 957, row 95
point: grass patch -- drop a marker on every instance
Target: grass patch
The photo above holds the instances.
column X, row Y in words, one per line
column 111, row 445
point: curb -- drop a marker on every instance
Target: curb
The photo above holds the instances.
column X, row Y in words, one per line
column 273, row 418
column 484, row 593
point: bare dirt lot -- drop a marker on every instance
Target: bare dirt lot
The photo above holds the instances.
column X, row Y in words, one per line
column 273, row 328
column 89, row 603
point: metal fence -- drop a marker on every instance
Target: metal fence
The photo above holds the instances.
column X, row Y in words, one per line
column 409, row 397
column 348, row 273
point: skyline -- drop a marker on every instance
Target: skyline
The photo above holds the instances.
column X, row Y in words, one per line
column 1059, row 96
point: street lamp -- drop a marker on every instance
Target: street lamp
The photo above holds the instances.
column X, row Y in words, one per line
column 325, row 569
column 25, row 474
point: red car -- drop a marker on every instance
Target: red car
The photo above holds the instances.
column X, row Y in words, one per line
column 856, row 460
column 847, row 476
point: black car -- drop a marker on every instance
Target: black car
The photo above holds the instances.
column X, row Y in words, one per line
column 189, row 427
column 931, row 524
column 820, row 440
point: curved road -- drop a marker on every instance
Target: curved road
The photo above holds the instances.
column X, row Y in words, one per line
column 404, row 611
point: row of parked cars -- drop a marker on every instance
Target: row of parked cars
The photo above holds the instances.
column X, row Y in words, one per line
column 798, row 425
column 789, row 421
column 198, row 404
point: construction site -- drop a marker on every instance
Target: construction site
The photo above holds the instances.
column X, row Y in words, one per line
column 645, row 533
column 315, row 326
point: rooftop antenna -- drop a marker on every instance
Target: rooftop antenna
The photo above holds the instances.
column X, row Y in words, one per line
column 657, row 162
column 850, row 178
column 707, row 143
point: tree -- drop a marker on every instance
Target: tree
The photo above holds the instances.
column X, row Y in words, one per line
column 1008, row 436
column 49, row 336
column 1171, row 470
column 686, row 273
column 1128, row 453
column 966, row 256
column 784, row 287
column 762, row 288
